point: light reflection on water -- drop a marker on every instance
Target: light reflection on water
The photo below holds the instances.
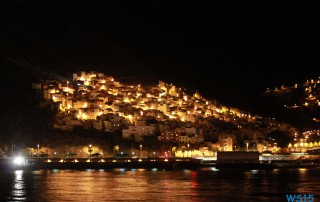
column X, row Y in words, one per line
column 18, row 188
column 157, row 185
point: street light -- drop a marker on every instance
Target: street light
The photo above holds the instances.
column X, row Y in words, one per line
column 90, row 150
column 12, row 149
column 67, row 151
column 247, row 146
column 140, row 150
column 38, row 149
column 188, row 150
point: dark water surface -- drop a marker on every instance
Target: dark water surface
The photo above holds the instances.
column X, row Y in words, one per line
column 157, row 185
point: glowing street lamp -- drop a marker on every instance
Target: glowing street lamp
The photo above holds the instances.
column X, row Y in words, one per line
column 90, row 150
column 12, row 149
column 188, row 150
column 140, row 150
column 38, row 149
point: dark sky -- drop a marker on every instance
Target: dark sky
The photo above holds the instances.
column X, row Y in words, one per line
column 228, row 51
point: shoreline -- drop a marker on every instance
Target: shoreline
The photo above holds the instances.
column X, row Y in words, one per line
column 146, row 163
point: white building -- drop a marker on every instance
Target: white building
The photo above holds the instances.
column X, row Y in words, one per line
column 226, row 143
column 137, row 132
column 57, row 97
column 164, row 108
column 108, row 126
column 93, row 114
column 191, row 130
column 80, row 104
column 98, row 125
column 191, row 118
column 188, row 139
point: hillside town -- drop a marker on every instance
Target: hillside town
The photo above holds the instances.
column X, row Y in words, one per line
column 93, row 100
column 304, row 97
column 307, row 95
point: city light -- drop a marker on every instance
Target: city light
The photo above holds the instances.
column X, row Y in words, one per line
column 172, row 101
column 19, row 161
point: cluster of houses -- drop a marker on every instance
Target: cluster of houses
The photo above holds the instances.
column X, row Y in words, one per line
column 311, row 96
column 95, row 100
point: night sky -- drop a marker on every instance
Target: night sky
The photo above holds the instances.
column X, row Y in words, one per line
column 230, row 52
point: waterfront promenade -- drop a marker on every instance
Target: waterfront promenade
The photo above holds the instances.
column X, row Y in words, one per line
column 102, row 163
column 148, row 163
